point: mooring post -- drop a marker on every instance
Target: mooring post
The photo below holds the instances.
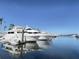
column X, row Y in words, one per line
column 22, row 41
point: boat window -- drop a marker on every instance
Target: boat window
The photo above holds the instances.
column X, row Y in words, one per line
column 8, row 48
column 10, row 32
column 19, row 32
column 30, row 32
column 36, row 32
column 29, row 29
column 33, row 32
column 17, row 50
column 31, row 41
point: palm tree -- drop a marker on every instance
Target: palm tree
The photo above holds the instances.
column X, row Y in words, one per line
column 1, row 20
column 11, row 26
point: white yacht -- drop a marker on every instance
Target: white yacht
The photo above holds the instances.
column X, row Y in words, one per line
column 20, row 39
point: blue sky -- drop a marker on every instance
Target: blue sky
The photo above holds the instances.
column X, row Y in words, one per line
column 60, row 16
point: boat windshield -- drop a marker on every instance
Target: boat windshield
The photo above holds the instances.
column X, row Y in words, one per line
column 28, row 29
column 10, row 32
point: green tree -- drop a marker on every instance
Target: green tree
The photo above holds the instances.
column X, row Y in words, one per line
column 1, row 21
column 11, row 26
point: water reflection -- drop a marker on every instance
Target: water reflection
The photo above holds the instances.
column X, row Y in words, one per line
column 61, row 48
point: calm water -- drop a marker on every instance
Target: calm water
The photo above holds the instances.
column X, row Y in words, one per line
column 61, row 48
